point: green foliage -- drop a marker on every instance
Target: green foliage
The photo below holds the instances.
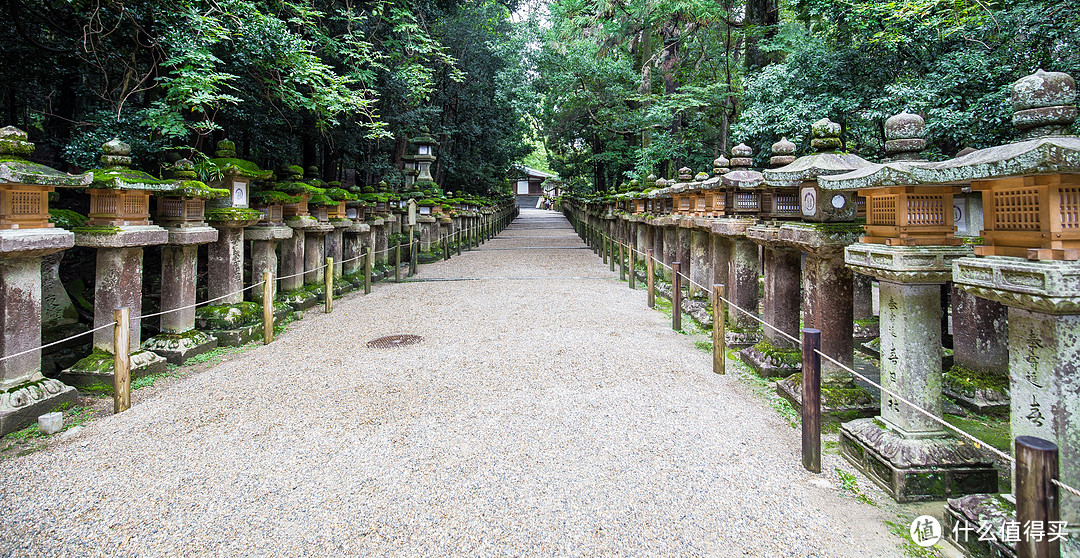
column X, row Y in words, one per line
column 65, row 218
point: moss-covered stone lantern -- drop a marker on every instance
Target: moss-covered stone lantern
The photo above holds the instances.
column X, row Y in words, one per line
column 24, row 241
column 119, row 228
column 236, row 175
column 185, row 206
column 743, row 182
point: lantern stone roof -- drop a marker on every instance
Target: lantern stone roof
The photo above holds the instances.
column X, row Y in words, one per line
column 745, row 179
column 876, row 175
column 118, row 174
column 1038, row 156
column 15, row 169
column 826, row 138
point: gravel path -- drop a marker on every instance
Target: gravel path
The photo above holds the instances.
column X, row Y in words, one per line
column 539, row 417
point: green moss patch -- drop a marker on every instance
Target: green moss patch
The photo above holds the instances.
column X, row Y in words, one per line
column 66, row 218
column 228, row 316
column 232, row 214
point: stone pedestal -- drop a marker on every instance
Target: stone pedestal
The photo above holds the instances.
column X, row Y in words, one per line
column 742, row 284
column 117, row 284
column 777, row 356
column 225, row 264
column 264, row 243
column 59, row 320
column 909, row 455
column 425, row 226
column 827, row 292
column 315, row 253
column 24, row 392
column 178, row 341
column 1044, row 355
column 979, row 378
column 352, row 246
column 685, row 234
column 862, row 294
column 334, row 247
column 671, row 247
column 721, row 259
column 700, row 260
column 382, row 238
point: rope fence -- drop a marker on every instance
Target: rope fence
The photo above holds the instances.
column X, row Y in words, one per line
column 979, row 444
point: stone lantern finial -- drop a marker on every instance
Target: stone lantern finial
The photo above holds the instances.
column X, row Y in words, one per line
column 115, row 153
column 184, row 169
column 742, row 157
column 14, row 143
column 226, row 149
column 783, row 153
column 905, row 137
column 721, row 165
column 1043, row 104
column 685, row 174
column 826, row 136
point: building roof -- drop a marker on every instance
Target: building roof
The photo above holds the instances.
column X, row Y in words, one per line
column 533, row 172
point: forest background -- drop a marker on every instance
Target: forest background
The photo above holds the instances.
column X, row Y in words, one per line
column 600, row 91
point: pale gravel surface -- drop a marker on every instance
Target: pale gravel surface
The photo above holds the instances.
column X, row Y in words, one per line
column 539, row 417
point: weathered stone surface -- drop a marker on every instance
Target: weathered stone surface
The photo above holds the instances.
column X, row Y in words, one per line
column 905, row 264
column 57, row 310
column 225, row 277
column 822, row 239
column 21, row 404
column 267, row 233
column 980, row 351
column 732, row 226
column 1036, row 156
column 292, row 261
column 118, row 284
column 27, row 243
column 178, row 347
column 192, row 235
column 314, row 257
column 972, row 512
column 783, row 273
column 335, row 249
column 916, row 469
column 179, row 276
column 743, row 287
column 20, row 320
column 96, row 371
column 1044, row 286
column 124, row 237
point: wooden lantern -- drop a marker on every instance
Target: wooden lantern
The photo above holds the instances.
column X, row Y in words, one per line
column 910, row 216
column 273, row 214
column 24, row 206
column 337, row 211
column 181, row 212
column 119, row 208
column 1035, row 217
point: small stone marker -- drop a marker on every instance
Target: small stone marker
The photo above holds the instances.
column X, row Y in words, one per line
column 50, row 423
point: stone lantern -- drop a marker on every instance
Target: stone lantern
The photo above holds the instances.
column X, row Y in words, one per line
column 425, row 156
column 781, row 201
column 909, row 248
column 681, row 198
column 25, row 238
column 119, row 227
column 1030, row 194
column 237, row 175
column 180, row 211
column 828, row 300
column 268, row 233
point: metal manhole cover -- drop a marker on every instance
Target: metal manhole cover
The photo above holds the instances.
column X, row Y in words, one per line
column 394, row 341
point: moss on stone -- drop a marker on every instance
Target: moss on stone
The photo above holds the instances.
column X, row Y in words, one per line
column 229, row 316
column 969, row 382
column 196, row 189
column 97, row 231
column 241, row 167
column 99, row 361
column 781, row 356
column 66, row 218
column 232, row 214
column 274, row 197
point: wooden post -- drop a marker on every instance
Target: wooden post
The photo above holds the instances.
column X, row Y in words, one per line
column 1036, row 497
column 622, row 263
column 719, row 325
column 811, row 400
column 412, row 268
column 676, row 297
column 397, row 262
column 611, row 252
column 329, row 276
column 369, row 262
column 268, row 307
column 121, row 360
column 632, row 264
column 604, row 249
column 446, row 247
column 650, row 279
column 459, row 242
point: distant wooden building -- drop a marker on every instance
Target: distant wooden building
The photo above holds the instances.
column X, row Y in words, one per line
column 530, row 182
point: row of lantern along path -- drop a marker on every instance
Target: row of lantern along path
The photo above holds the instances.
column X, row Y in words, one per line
column 249, row 219
column 998, row 228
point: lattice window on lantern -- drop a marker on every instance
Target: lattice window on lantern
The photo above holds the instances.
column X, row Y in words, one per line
column 1069, row 199
column 104, row 203
column 701, row 203
column 135, row 204
column 925, row 209
column 25, row 203
column 1016, row 209
column 719, row 201
column 786, row 203
column 194, row 209
column 882, row 210
column 171, row 208
column 746, row 201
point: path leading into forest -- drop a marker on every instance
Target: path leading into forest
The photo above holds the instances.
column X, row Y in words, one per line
column 546, row 412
